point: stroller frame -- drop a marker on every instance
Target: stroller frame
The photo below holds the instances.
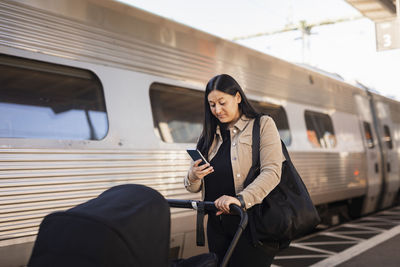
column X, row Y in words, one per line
column 201, row 207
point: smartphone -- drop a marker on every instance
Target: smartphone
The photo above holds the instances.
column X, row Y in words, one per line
column 196, row 155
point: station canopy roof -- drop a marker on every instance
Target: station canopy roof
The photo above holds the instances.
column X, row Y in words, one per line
column 376, row 10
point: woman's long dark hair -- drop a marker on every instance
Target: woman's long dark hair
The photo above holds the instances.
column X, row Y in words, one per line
column 228, row 85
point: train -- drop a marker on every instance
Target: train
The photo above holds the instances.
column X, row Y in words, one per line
column 96, row 93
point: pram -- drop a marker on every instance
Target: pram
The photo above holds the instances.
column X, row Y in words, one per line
column 127, row 225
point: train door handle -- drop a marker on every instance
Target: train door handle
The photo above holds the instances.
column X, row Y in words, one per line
column 388, row 167
column 376, row 168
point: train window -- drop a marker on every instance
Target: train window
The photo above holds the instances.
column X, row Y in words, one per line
column 279, row 115
column 368, row 135
column 320, row 131
column 387, row 137
column 44, row 100
column 177, row 113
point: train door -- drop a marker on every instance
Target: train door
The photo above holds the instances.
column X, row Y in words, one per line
column 390, row 164
column 373, row 156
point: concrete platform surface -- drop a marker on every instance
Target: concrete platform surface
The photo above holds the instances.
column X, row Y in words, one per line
column 385, row 254
column 380, row 250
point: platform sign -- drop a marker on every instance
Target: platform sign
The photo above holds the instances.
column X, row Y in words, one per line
column 387, row 34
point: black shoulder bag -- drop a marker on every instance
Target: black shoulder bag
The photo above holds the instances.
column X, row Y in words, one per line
column 287, row 212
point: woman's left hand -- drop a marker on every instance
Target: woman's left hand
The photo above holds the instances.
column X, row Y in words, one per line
column 223, row 202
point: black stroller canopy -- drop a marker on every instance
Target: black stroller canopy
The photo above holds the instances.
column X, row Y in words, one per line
column 127, row 225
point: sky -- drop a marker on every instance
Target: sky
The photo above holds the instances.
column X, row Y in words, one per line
column 346, row 48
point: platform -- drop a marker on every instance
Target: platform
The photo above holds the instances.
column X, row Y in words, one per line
column 373, row 240
column 385, row 254
column 381, row 250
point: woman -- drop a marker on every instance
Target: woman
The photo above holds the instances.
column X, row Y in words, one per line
column 226, row 143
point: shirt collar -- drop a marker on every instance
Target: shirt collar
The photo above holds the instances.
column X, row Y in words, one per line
column 240, row 125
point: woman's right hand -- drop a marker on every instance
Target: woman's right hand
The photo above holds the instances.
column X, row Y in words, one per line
column 197, row 172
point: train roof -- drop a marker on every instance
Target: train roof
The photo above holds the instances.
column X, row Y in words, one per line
column 114, row 34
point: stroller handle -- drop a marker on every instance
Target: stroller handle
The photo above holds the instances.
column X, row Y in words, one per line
column 209, row 206
column 191, row 204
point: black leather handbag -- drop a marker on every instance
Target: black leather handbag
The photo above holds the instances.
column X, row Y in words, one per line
column 287, row 212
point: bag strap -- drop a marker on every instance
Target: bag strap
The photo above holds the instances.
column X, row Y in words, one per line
column 255, row 152
column 285, row 152
column 253, row 173
column 255, row 147
column 256, row 143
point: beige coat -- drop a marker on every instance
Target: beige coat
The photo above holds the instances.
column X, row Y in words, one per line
column 271, row 158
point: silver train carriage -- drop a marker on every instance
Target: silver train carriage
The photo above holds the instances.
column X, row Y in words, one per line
column 95, row 93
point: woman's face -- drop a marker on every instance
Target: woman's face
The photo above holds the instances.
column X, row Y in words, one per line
column 224, row 107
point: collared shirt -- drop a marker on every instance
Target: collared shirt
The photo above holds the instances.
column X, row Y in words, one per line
column 271, row 158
